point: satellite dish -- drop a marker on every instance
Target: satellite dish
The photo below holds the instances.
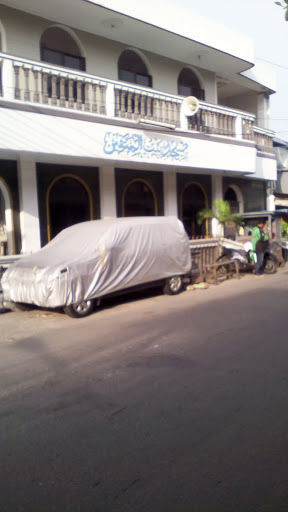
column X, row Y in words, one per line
column 190, row 106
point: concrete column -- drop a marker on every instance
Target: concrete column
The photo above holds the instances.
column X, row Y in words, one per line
column 270, row 198
column 238, row 127
column 110, row 100
column 107, row 192
column 29, row 213
column 183, row 120
column 263, row 113
column 170, row 193
column 217, row 193
column 8, row 86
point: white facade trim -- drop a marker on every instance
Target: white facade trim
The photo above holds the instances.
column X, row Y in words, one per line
column 75, row 138
column 29, row 211
column 170, row 193
column 107, row 192
column 217, row 194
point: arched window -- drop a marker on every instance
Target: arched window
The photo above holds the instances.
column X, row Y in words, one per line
column 69, row 202
column 132, row 69
column 193, row 200
column 58, row 47
column 139, row 199
column 189, row 85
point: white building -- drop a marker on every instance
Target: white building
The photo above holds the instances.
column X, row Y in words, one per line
column 92, row 122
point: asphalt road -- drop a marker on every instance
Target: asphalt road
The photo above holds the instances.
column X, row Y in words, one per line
column 160, row 404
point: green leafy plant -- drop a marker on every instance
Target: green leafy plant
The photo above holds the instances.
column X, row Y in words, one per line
column 284, row 229
column 284, row 5
column 222, row 212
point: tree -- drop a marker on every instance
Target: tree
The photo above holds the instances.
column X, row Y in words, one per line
column 221, row 212
column 284, row 5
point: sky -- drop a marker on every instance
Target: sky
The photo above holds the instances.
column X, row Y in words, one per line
column 264, row 22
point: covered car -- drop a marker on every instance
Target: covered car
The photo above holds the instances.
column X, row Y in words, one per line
column 94, row 259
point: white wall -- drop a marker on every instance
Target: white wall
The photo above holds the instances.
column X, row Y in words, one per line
column 263, row 112
column 266, row 168
column 84, row 139
column 107, row 192
column 29, row 211
column 254, row 103
column 170, row 193
column 186, row 23
column 217, row 194
column 245, row 102
column 23, row 39
column 23, row 32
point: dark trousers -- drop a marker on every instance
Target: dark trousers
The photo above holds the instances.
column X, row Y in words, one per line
column 259, row 267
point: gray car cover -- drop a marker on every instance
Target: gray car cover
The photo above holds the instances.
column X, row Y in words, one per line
column 94, row 258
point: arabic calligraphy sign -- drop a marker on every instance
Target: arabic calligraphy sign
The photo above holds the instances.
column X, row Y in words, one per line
column 139, row 145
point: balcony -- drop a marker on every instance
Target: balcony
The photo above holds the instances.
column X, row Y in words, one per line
column 35, row 83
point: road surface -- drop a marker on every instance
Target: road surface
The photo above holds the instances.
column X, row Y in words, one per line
column 160, row 404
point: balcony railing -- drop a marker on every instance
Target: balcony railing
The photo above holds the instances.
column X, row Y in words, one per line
column 263, row 139
column 213, row 120
column 50, row 86
column 143, row 104
column 35, row 82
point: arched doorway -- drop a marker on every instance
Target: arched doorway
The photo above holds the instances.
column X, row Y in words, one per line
column 235, row 199
column 69, row 202
column 189, row 84
column 3, row 228
column 193, row 200
column 139, row 199
column 2, row 205
column 231, row 196
column 6, row 218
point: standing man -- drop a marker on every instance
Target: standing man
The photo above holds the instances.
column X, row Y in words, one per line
column 260, row 242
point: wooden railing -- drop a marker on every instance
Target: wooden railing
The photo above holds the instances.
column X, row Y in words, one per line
column 203, row 254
